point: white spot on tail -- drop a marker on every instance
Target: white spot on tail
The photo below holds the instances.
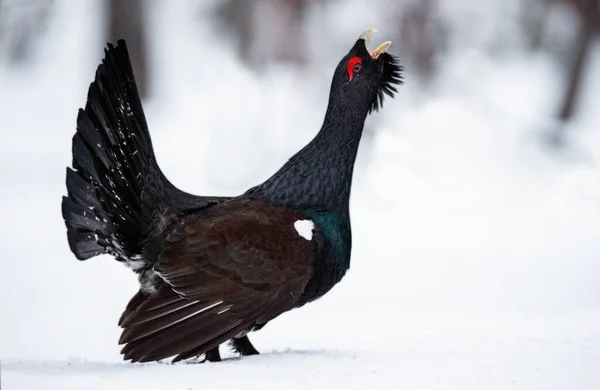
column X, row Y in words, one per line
column 148, row 281
column 305, row 228
column 136, row 263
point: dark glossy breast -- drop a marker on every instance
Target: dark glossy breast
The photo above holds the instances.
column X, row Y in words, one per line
column 332, row 258
column 324, row 278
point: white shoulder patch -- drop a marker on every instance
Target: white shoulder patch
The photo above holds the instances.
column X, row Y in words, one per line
column 305, row 228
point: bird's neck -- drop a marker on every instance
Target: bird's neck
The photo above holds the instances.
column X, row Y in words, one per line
column 320, row 175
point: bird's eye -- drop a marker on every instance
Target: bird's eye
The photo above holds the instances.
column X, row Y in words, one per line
column 354, row 67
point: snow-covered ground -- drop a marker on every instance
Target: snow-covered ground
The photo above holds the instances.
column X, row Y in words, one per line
column 476, row 260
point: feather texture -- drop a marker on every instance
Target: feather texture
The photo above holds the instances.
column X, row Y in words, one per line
column 239, row 266
column 212, row 269
column 391, row 75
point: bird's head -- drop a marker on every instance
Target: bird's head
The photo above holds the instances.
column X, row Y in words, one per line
column 363, row 76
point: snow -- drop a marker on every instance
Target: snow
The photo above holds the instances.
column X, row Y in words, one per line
column 475, row 249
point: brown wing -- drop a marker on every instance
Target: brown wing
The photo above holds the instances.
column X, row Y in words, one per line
column 239, row 266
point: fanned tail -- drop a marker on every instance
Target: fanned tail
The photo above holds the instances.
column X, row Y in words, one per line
column 113, row 164
column 116, row 191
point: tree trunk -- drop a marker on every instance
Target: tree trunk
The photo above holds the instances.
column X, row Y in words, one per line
column 587, row 30
column 421, row 36
column 266, row 30
column 127, row 20
column 237, row 15
column 22, row 25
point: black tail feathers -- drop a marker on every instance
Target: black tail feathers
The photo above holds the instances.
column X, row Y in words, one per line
column 114, row 183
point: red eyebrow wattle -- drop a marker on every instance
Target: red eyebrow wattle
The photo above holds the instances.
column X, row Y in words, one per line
column 351, row 63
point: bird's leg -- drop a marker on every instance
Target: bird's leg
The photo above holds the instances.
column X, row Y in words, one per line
column 213, row 355
column 243, row 346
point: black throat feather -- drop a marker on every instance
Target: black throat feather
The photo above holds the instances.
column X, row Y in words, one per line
column 320, row 175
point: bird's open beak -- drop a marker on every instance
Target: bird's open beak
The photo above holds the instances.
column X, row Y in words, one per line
column 380, row 49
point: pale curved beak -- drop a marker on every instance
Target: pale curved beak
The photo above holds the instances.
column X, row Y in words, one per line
column 367, row 36
column 380, row 49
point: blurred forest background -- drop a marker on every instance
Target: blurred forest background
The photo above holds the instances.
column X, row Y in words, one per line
column 475, row 202
column 266, row 31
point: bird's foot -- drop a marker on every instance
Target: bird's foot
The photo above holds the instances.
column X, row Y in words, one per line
column 212, row 356
column 243, row 346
